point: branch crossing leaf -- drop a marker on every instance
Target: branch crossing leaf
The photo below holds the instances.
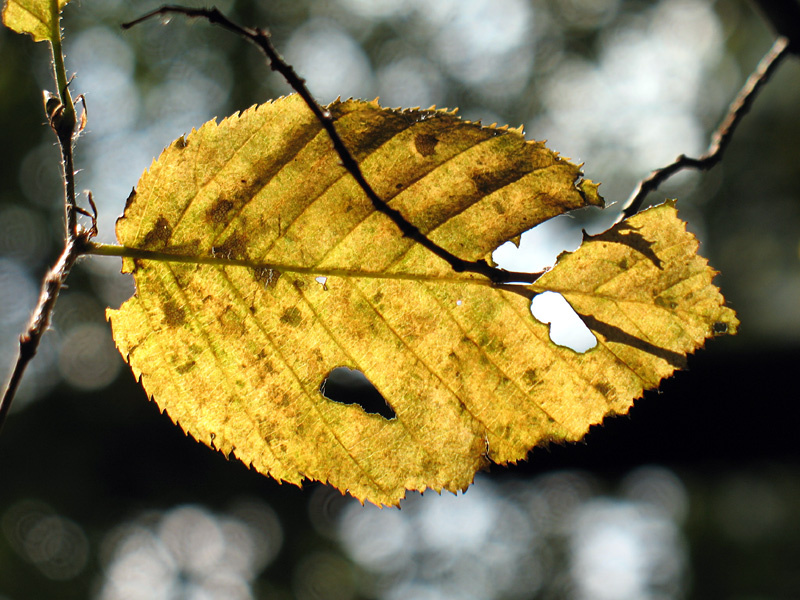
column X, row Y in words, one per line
column 232, row 334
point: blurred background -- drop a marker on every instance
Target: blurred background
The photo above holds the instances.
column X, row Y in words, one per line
column 695, row 495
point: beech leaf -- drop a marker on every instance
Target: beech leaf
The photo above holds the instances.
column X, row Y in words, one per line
column 262, row 266
column 39, row 18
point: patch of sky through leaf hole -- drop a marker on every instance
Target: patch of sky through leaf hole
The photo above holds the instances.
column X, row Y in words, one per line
column 538, row 249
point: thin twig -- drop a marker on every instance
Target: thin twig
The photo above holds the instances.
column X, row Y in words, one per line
column 60, row 112
column 261, row 38
column 721, row 137
column 40, row 321
column 61, row 116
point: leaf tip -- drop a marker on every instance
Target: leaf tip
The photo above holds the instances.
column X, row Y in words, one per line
column 40, row 19
column 589, row 190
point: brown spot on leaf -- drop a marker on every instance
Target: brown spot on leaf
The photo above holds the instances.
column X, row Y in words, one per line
column 185, row 367
column 425, row 144
column 159, row 235
column 264, row 363
column 487, row 182
column 664, row 303
column 235, row 247
column 291, row 316
column 174, row 315
column 531, row 378
column 603, row 389
column 263, row 170
column 218, row 213
column 266, row 276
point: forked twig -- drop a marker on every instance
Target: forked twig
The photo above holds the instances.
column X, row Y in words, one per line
column 721, row 137
column 261, row 38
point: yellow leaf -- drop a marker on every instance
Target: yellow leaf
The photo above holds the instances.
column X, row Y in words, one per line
column 232, row 334
column 647, row 295
column 39, row 18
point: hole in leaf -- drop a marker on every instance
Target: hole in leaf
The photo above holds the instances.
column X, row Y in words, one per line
column 539, row 247
column 566, row 327
column 323, row 281
column 350, row 386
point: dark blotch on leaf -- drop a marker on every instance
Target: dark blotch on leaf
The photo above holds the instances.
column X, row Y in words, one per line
column 664, row 303
column 266, row 276
column 218, row 213
column 185, row 367
column 425, row 143
column 235, row 247
column 531, row 378
column 603, row 389
column 348, row 386
column 159, row 235
column 291, row 316
column 487, row 182
column 173, row 314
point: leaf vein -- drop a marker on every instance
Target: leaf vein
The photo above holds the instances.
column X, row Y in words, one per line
column 235, row 289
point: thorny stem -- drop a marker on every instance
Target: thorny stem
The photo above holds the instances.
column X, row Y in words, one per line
column 261, row 38
column 61, row 116
column 721, row 137
column 40, row 321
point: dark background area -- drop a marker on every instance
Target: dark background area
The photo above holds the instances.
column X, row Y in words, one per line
column 87, row 463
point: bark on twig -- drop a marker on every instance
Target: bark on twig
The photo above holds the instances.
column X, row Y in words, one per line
column 40, row 321
column 60, row 112
column 721, row 137
column 261, row 38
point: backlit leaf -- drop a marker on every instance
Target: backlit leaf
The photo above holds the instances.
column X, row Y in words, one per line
column 39, row 18
column 233, row 332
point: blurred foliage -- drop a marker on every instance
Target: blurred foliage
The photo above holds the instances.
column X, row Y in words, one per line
column 87, row 452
